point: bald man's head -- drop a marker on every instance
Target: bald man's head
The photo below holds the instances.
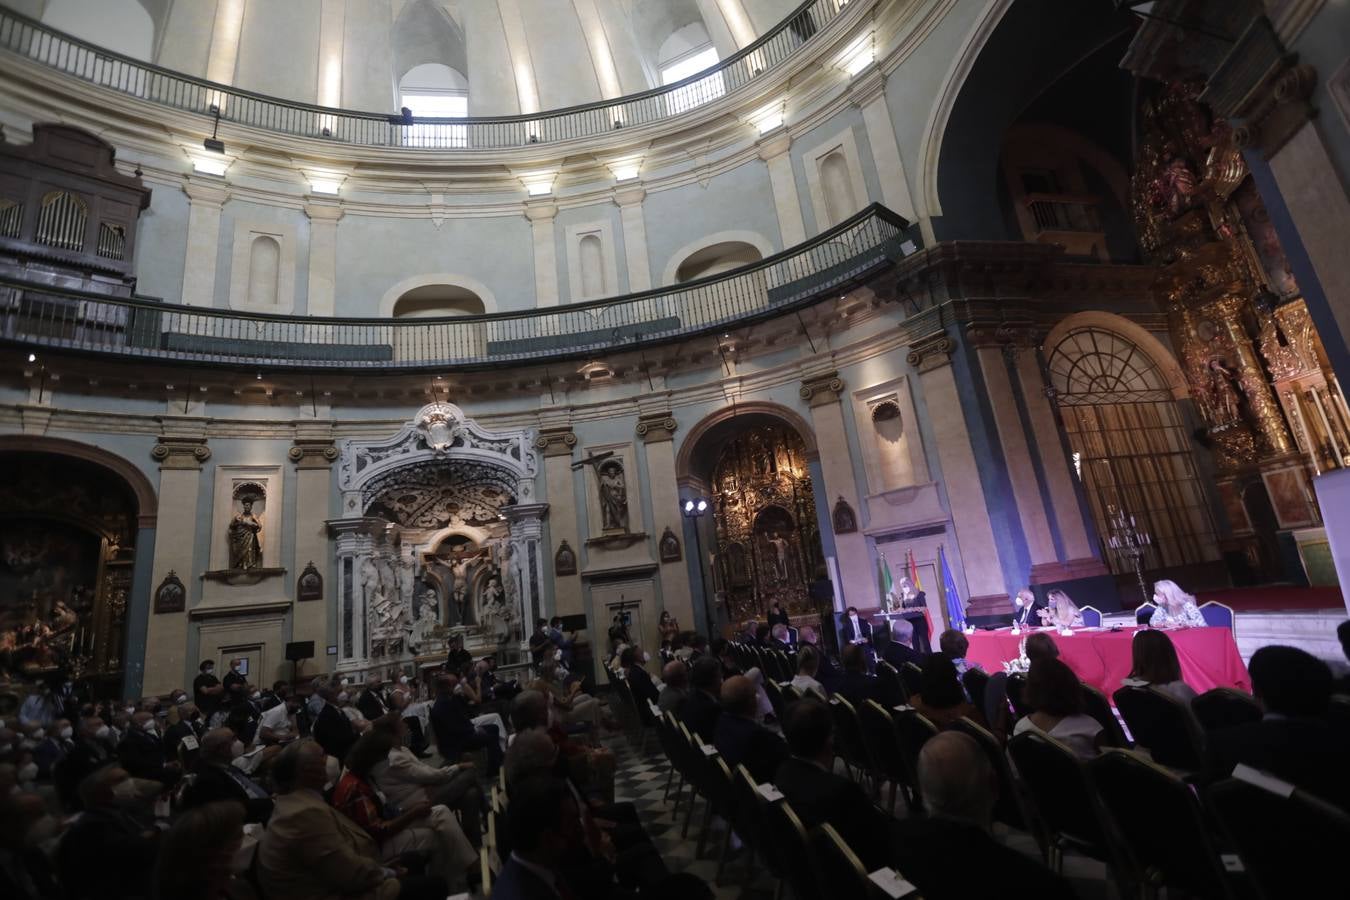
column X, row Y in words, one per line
column 739, row 696
column 676, row 674
column 956, row 778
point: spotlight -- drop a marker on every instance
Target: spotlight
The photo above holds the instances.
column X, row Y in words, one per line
column 32, row 357
column 259, row 378
column 214, row 145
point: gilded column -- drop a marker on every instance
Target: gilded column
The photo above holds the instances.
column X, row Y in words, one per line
column 821, row 390
column 960, row 473
column 555, row 443
column 634, row 237
column 180, row 453
column 203, row 240
column 313, row 454
column 323, row 219
column 1265, row 408
column 656, row 427
column 541, row 216
column 786, row 203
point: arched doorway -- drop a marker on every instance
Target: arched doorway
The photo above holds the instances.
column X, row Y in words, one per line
column 68, row 544
column 1130, row 447
column 763, row 540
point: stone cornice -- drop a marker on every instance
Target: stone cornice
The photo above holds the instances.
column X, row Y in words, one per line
column 206, row 193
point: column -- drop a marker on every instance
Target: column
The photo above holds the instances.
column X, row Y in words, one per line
column 774, row 152
column 224, row 53
column 354, row 544
column 313, row 454
column 1064, row 506
column 332, row 27
column 960, row 474
column 634, row 237
column 545, row 251
column 203, row 244
column 323, row 219
column 869, row 95
column 180, row 452
column 555, row 443
column 1265, row 408
column 526, row 524
column 656, row 427
column 721, row 35
column 518, row 48
column 602, row 60
column 821, row 390
column 634, row 70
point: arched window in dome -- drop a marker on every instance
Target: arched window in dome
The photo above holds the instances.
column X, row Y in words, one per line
column 687, row 51
column 1130, row 446
column 264, row 266
column 438, row 301
column 716, row 259
column 433, row 90
column 123, row 26
column 838, row 187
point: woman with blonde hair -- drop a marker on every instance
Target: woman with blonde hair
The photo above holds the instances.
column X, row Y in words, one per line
column 1176, row 608
column 1061, row 612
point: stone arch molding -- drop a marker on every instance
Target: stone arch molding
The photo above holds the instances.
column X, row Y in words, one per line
column 392, row 295
column 1141, row 337
column 438, row 432
column 753, row 238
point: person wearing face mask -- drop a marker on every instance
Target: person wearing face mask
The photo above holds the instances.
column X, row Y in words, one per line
column 278, row 725
column 54, row 747
column 27, row 830
column 640, row 680
column 234, row 682
column 90, row 751
column 207, row 691
column 41, row 708
column 454, row 729
column 142, row 752
column 189, row 724
column 332, row 729
column 217, row 779
column 108, row 853
column 371, row 700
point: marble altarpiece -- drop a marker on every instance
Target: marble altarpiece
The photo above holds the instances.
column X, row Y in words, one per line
column 440, row 536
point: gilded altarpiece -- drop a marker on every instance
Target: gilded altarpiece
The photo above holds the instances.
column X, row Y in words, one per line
column 768, row 539
column 1271, row 408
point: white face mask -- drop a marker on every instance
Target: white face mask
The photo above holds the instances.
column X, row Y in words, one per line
column 403, row 679
column 39, row 734
column 28, row 772
column 344, row 682
column 646, row 657
column 125, row 791
column 149, row 726
column 209, row 670
column 236, row 749
column 557, row 654
column 255, row 695
column 66, row 733
column 1020, row 602
column 103, row 732
column 343, row 697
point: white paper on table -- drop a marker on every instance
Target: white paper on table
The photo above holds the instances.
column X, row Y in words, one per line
column 891, row 883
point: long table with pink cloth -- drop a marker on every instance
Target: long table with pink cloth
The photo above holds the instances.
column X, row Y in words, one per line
column 1101, row 657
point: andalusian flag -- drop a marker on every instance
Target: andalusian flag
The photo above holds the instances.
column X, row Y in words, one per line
column 914, row 571
column 884, row 578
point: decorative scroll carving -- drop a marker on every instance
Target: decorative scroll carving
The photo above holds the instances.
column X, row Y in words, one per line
column 656, row 427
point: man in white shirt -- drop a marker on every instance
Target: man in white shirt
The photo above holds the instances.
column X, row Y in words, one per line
column 808, row 661
column 277, row 725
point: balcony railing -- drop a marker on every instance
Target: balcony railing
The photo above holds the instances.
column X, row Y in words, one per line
column 1063, row 212
column 845, row 256
column 28, row 38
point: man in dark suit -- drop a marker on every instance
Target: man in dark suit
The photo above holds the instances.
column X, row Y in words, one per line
column 455, row 731
column 107, row 853
column 854, row 629
column 818, row 796
column 951, row 853
column 142, row 751
column 639, row 679
column 742, row 740
column 856, row 686
column 1025, row 607
column 544, row 827
column 700, row 710
column 371, row 701
column 189, row 723
column 1294, row 741
column 901, row 650
column 217, row 779
column 332, row 729
column 90, row 750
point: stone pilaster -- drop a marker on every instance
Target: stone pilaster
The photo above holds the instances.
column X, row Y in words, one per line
column 656, row 427
column 869, row 95
column 205, row 200
column 629, row 201
column 555, row 443
column 786, row 203
column 313, row 454
column 323, row 219
column 541, row 215
column 181, row 451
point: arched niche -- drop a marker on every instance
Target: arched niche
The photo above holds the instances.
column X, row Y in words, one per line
column 459, row 294
column 129, row 27
column 716, row 253
column 697, row 453
column 426, row 33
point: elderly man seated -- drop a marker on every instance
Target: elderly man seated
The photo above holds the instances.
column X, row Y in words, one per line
column 407, row 781
column 674, row 685
column 742, row 740
column 218, row 779
column 109, row 852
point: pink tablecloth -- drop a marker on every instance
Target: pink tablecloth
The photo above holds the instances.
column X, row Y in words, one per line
column 1209, row 656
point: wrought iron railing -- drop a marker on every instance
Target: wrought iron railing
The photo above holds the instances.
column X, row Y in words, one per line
column 847, row 255
column 33, row 40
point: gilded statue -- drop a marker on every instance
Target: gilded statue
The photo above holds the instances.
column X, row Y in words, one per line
column 1224, row 399
column 245, row 547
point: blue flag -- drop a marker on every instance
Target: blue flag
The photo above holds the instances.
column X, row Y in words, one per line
column 956, row 616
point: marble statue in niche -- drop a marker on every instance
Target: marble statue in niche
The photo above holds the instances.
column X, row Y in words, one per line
column 245, row 532
column 613, row 496
column 780, row 555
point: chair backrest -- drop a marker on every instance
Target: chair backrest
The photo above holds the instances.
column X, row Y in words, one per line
column 1060, row 789
column 1291, row 843
column 883, row 741
column 1017, row 686
column 914, row 729
column 1008, row 808
column 790, row 695
column 1164, row 725
column 912, row 676
column 1096, row 705
column 1092, row 616
column 775, row 695
column 1160, row 820
column 789, row 850
column 892, row 688
column 1217, row 615
column 975, row 682
column 848, row 740
column 1225, row 707
column 748, row 805
column 1143, row 613
column 839, row 872
column 717, row 785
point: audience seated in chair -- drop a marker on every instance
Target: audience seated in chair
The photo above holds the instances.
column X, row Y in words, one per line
column 952, row 853
column 900, row 649
column 857, row 687
column 544, row 829
column 109, row 853
column 590, row 768
column 217, row 778
column 28, row 833
column 455, row 731
column 406, row 781
column 333, row 729
column 569, row 703
column 700, row 710
column 808, row 663
column 1056, row 698
column 674, row 685
column 640, row 681
column 196, row 855
column 942, row 699
column 740, row 739
column 1294, row 740
column 954, row 645
column 819, row 796
column 1155, row 664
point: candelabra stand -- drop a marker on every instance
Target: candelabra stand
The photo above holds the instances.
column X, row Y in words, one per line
column 1130, row 542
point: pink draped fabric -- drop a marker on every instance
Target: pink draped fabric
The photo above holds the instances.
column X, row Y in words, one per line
column 1209, row 656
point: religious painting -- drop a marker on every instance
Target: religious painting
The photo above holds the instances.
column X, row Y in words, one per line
column 565, row 560
column 48, row 579
column 1289, row 497
column 309, row 586
column 845, row 522
column 669, row 547
column 170, row 596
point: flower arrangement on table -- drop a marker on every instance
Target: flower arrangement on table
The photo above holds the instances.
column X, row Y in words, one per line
column 1021, row 665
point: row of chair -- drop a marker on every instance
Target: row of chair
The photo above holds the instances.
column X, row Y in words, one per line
column 777, row 665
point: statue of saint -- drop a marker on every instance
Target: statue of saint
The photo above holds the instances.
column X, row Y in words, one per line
column 245, row 549
column 1223, row 393
column 613, row 498
column 780, row 555
column 460, row 572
